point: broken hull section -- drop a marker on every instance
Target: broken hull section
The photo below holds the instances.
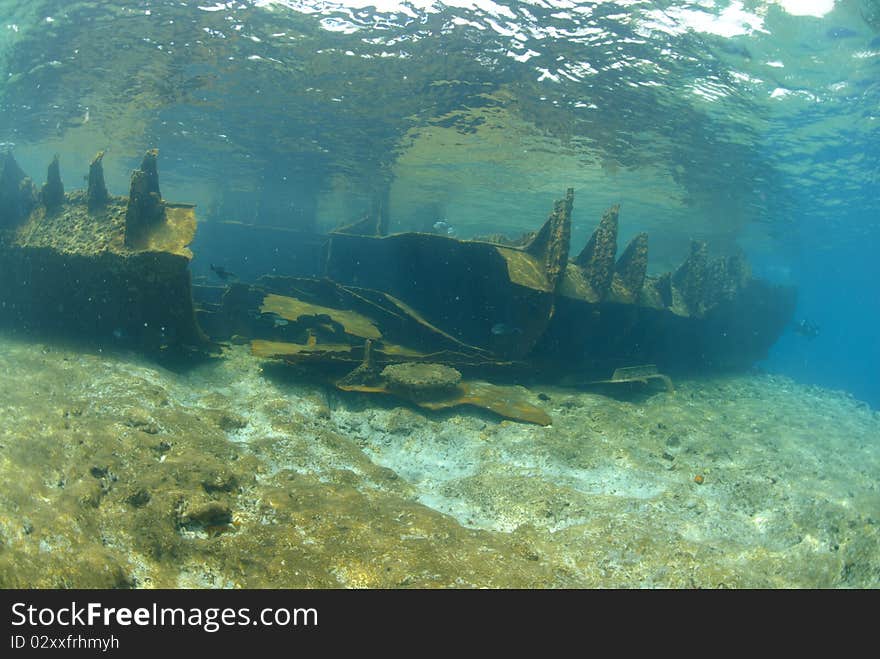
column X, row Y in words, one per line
column 88, row 265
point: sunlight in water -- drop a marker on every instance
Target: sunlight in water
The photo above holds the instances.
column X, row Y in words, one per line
column 817, row 8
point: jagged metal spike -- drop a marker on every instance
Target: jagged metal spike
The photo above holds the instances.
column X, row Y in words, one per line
column 550, row 245
column 52, row 194
column 18, row 194
column 150, row 169
column 664, row 288
column 97, row 192
column 145, row 206
column 597, row 258
column 632, row 266
column 689, row 280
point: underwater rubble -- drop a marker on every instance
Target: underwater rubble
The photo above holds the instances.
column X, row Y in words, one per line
column 87, row 263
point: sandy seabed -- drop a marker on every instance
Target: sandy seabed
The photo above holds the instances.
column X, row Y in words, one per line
column 117, row 472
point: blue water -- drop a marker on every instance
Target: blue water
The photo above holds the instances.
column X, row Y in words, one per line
column 751, row 125
column 837, row 295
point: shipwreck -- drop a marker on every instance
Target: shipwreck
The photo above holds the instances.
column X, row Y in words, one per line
column 414, row 315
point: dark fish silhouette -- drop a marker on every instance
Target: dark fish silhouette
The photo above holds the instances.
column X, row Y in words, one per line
column 840, row 33
column 503, row 329
column 735, row 49
column 222, row 272
column 274, row 318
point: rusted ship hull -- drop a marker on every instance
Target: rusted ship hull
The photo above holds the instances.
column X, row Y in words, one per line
column 90, row 264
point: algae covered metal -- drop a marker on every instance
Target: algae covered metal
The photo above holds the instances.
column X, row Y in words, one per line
column 522, row 311
column 379, row 309
column 90, row 264
column 524, row 308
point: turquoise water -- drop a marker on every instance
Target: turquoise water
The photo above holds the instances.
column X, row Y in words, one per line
column 749, row 124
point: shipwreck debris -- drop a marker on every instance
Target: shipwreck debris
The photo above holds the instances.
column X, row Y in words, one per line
column 597, row 258
column 52, row 194
column 145, row 206
column 437, row 387
column 464, row 286
column 510, row 402
column 421, row 380
column 593, row 313
column 332, row 325
column 551, row 244
column 18, row 194
column 630, row 271
column 638, row 374
column 97, row 190
column 68, row 266
column 420, row 303
column 422, row 316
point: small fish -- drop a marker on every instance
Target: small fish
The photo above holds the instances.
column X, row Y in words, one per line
column 503, row 329
column 277, row 321
column 735, row 49
column 840, row 33
column 806, row 328
column 442, row 226
column 222, row 272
